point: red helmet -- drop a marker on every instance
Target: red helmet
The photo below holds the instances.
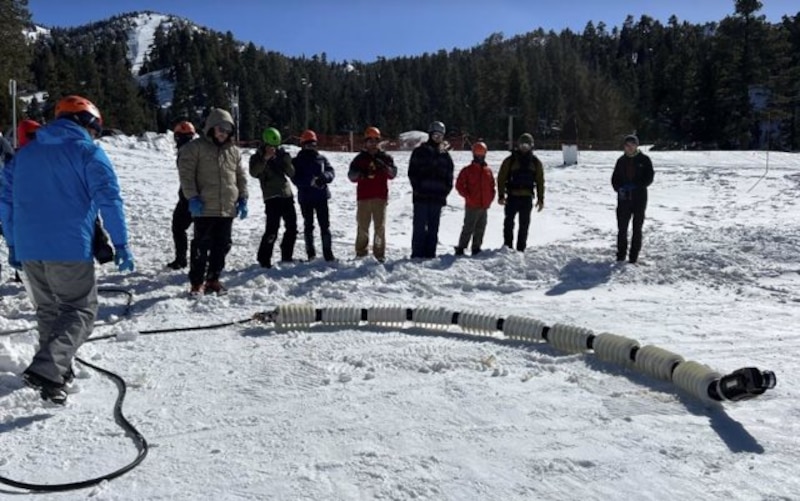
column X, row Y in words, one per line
column 372, row 133
column 184, row 127
column 81, row 110
column 479, row 149
column 308, row 136
column 26, row 131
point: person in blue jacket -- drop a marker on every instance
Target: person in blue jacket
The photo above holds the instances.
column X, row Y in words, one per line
column 312, row 174
column 52, row 193
column 430, row 171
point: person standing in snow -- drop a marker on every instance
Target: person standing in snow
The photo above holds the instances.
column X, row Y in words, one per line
column 272, row 166
column 53, row 190
column 475, row 183
column 214, row 183
column 521, row 177
column 430, row 171
column 312, row 174
column 181, row 216
column 633, row 173
column 371, row 170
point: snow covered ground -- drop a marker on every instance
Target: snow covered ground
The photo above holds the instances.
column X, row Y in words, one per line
column 248, row 412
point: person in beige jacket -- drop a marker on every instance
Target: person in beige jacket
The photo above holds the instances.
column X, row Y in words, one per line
column 214, row 182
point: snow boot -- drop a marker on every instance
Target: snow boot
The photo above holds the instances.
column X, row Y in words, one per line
column 177, row 264
column 215, row 287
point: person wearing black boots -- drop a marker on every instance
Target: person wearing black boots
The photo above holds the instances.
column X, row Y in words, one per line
column 181, row 217
column 521, row 178
column 633, row 173
column 312, row 174
column 272, row 166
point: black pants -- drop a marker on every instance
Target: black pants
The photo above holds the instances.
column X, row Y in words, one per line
column 276, row 209
column 522, row 206
column 323, row 219
column 181, row 220
column 425, row 233
column 625, row 211
column 210, row 245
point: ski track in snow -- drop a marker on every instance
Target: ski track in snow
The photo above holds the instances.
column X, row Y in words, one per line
column 251, row 412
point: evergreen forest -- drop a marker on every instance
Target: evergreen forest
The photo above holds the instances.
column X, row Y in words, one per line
column 731, row 84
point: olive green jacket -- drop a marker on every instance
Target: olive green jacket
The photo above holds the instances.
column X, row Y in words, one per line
column 511, row 181
column 213, row 172
column 273, row 174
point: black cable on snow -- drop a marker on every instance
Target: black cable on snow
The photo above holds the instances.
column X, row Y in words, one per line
column 119, row 418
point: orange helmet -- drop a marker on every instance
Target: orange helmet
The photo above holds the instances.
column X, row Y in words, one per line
column 372, row 133
column 479, row 149
column 26, row 131
column 184, row 127
column 82, row 110
column 308, row 136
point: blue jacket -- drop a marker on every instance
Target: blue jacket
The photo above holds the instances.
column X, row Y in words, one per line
column 309, row 164
column 53, row 190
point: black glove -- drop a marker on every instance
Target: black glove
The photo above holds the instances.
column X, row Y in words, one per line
column 318, row 181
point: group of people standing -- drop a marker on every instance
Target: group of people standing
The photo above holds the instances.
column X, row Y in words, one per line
column 214, row 190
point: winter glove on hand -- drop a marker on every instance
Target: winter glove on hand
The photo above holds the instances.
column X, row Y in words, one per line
column 539, row 206
column 241, row 208
column 501, row 201
column 196, row 206
column 318, row 181
column 12, row 259
column 123, row 258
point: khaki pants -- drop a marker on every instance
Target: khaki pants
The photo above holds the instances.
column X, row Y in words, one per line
column 371, row 210
column 473, row 229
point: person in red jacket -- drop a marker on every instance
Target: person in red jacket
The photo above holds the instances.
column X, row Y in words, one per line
column 476, row 184
column 372, row 169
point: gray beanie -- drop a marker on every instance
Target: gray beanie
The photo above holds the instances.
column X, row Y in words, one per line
column 525, row 139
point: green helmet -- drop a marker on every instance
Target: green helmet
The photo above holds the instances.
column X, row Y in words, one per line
column 271, row 136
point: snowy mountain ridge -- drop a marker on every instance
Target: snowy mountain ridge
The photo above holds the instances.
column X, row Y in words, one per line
column 140, row 28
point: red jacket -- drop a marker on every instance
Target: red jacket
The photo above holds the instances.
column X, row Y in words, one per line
column 372, row 173
column 476, row 184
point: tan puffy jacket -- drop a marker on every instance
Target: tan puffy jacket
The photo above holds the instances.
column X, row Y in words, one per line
column 213, row 172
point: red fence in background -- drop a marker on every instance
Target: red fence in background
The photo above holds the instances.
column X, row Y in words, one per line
column 342, row 143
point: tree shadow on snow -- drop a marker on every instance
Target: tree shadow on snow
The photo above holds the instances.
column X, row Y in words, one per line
column 581, row 275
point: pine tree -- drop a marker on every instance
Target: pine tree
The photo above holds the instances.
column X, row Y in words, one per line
column 15, row 53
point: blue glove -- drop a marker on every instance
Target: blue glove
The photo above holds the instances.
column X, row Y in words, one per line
column 241, row 208
column 12, row 259
column 196, row 206
column 123, row 258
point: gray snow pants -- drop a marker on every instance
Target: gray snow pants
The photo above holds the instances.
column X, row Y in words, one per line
column 65, row 294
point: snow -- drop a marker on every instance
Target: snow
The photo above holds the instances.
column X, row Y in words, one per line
column 141, row 37
column 401, row 413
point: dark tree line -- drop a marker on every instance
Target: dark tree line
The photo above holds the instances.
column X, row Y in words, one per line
column 731, row 84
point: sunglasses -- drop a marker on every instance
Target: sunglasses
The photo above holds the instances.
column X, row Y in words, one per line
column 224, row 128
column 437, row 135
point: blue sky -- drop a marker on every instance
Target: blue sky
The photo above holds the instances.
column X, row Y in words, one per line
column 364, row 30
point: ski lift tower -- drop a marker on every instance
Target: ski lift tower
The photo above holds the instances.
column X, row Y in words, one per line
column 511, row 111
column 306, row 83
